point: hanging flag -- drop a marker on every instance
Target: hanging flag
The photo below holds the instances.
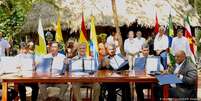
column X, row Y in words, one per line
column 170, row 31
column 156, row 25
column 83, row 36
column 189, row 36
column 170, row 37
column 40, row 49
column 170, row 27
column 58, row 36
column 93, row 41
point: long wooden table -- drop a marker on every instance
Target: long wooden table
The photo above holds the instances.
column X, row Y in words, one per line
column 99, row 76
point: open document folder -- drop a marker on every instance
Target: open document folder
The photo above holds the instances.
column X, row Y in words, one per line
column 118, row 62
column 168, row 79
column 78, row 65
column 44, row 65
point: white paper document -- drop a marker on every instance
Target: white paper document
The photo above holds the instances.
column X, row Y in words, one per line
column 8, row 64
column 116, row 61
column 89, row 64
column 151, row 65
column 58, row 63
column 76, row 65
column 26, row 64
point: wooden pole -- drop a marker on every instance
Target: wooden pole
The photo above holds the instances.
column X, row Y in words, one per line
column 116, row 22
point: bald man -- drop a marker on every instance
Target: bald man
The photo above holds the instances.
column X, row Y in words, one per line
column 187, row 73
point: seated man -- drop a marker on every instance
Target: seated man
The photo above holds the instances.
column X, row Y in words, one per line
column 57, row 66
column 76, row 86
column 187, row 73
column 112, row 87
column 140, row 86
column 21, row 87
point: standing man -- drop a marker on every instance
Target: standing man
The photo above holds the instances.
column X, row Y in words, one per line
column 160, row 46
column 4, row 46
column 111, row 39
column 180, row 43
column 129, row 47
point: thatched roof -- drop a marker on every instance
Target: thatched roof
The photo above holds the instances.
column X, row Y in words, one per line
column 128, row 11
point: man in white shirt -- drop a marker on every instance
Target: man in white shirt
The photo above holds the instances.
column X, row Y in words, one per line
column 4, row 46
column 111, row 39
column 133, row 47
column 160, row 46
column 24, row 54
column 57, row 67
column 76, row 86
column 129, row 47
column 180, row 43
column 141, row 86
column 139, row 41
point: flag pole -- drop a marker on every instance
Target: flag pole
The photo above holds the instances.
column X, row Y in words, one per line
column 116, row 22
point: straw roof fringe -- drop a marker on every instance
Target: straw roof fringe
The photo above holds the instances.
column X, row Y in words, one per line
column 128, row 11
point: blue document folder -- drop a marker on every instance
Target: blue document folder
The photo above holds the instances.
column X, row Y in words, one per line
column 168, row 79
column 139, row 64
column 44, row 65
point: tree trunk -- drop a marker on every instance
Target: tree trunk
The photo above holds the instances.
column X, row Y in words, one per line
column 116, row 22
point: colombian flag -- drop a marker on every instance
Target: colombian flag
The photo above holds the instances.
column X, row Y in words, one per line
column 93, row 41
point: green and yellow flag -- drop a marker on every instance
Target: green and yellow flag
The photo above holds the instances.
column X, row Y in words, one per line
column 41, row 47
column 58, row 36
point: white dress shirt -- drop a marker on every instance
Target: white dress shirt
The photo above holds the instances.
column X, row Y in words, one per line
column 58, row 61
column 129, row 45
column 138, row 43
column 160, row 43
column 176, row 71
column 3, row 46
column 181, row 44
column 133, row 45
column 110, row 40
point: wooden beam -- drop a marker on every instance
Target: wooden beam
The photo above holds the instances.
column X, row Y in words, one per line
column 116, row 22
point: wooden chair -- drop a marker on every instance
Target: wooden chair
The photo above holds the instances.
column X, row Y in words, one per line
column 88, row 96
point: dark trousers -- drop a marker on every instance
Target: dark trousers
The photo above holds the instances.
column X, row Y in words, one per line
column 112, row 88
column 139, row 90
column 177, row 92
column 22, row 91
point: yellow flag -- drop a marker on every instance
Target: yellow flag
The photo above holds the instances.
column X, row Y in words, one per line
column 41, row 47
column 58, row 36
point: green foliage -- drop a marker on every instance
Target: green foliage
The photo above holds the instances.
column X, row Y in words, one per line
column 13, row 14
column 198, row 37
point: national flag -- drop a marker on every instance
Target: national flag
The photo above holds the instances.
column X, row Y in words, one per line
column 40, row 49
column 58, row 36
column 83, row 36
column 170, row 37
column 156, row 25
column 170, row 30
column 93, row 41
column 189, row 36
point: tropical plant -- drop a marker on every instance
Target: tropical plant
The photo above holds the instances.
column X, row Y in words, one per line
column 13, row 14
